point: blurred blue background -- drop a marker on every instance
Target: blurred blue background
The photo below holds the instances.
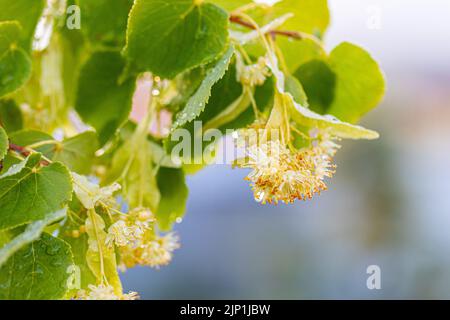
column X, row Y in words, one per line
column 388, row 205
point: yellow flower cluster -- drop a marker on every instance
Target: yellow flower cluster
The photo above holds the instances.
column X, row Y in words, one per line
column 280, row 174
column 103, row 292
column 254, row 74
column 155, row 252
column 139, row 243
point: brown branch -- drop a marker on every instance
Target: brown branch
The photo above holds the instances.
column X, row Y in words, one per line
column 23, row 151
column 286, row 33
column 20, row 150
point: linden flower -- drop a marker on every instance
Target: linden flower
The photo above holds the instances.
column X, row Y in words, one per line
column 160, row 251
column 120, row 234
column 255, row 74
column 156, row 252
column 279, row 174
column 104, row 292
column 131, row 229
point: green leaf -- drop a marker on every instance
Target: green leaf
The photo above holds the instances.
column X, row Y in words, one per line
column 29, row 192
column 38, row 271
column 15, row 64
column 168, row 37
column 299, row 52
column 132, row 167
column 101, row 258
column 295, row 88
column 105, row 21
column 27, row 13
column 4, row 143
column 77, row 152
column 27, row 138
column 102, row 101
column 311, row 16
column 10, row 116
column 231, row 4
column 174, row 193
column 79, row 247
column 32, row 232
column 310, row 119
column 319, row 82
column 360, row 84
column 198, row 101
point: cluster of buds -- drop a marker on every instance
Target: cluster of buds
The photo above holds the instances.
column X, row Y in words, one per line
column 254, row 74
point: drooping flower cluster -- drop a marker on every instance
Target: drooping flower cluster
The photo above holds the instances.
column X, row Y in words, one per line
column 254, row 74
column 138, row 241
column 280, row 174
column 104, row 292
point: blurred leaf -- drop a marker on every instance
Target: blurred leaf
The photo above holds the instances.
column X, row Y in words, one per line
column 15, row 64
column 27, row 13
column 295, row 88
column 231, row 5
column 77, row 152
column 132, row 167
column 10, row 116
column 4, row 143
column 319, row 82
column 29, row 192
column 105, row 21
column 311, row 16
column 37, row 271
column 360, row 84
column 299, row 52
column 102, row 101
column 174, row 193
column 168, row 37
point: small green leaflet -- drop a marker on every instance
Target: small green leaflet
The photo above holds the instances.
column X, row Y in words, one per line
column 32, row 232
column 76, row 152
column 174, row 193
column 29, row 192
column 4, row 144
column 15, row 64
column 103, row 101
column 168, row 37
column 10, row 116
column 198, row 101
column 319, row 82
column 360, row 84
column 311, row 16
column 38, row 271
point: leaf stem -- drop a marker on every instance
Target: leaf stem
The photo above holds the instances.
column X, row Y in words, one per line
column 297, row 35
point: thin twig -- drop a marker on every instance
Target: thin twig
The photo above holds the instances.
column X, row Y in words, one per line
column 286, row 33
column 23, row 151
